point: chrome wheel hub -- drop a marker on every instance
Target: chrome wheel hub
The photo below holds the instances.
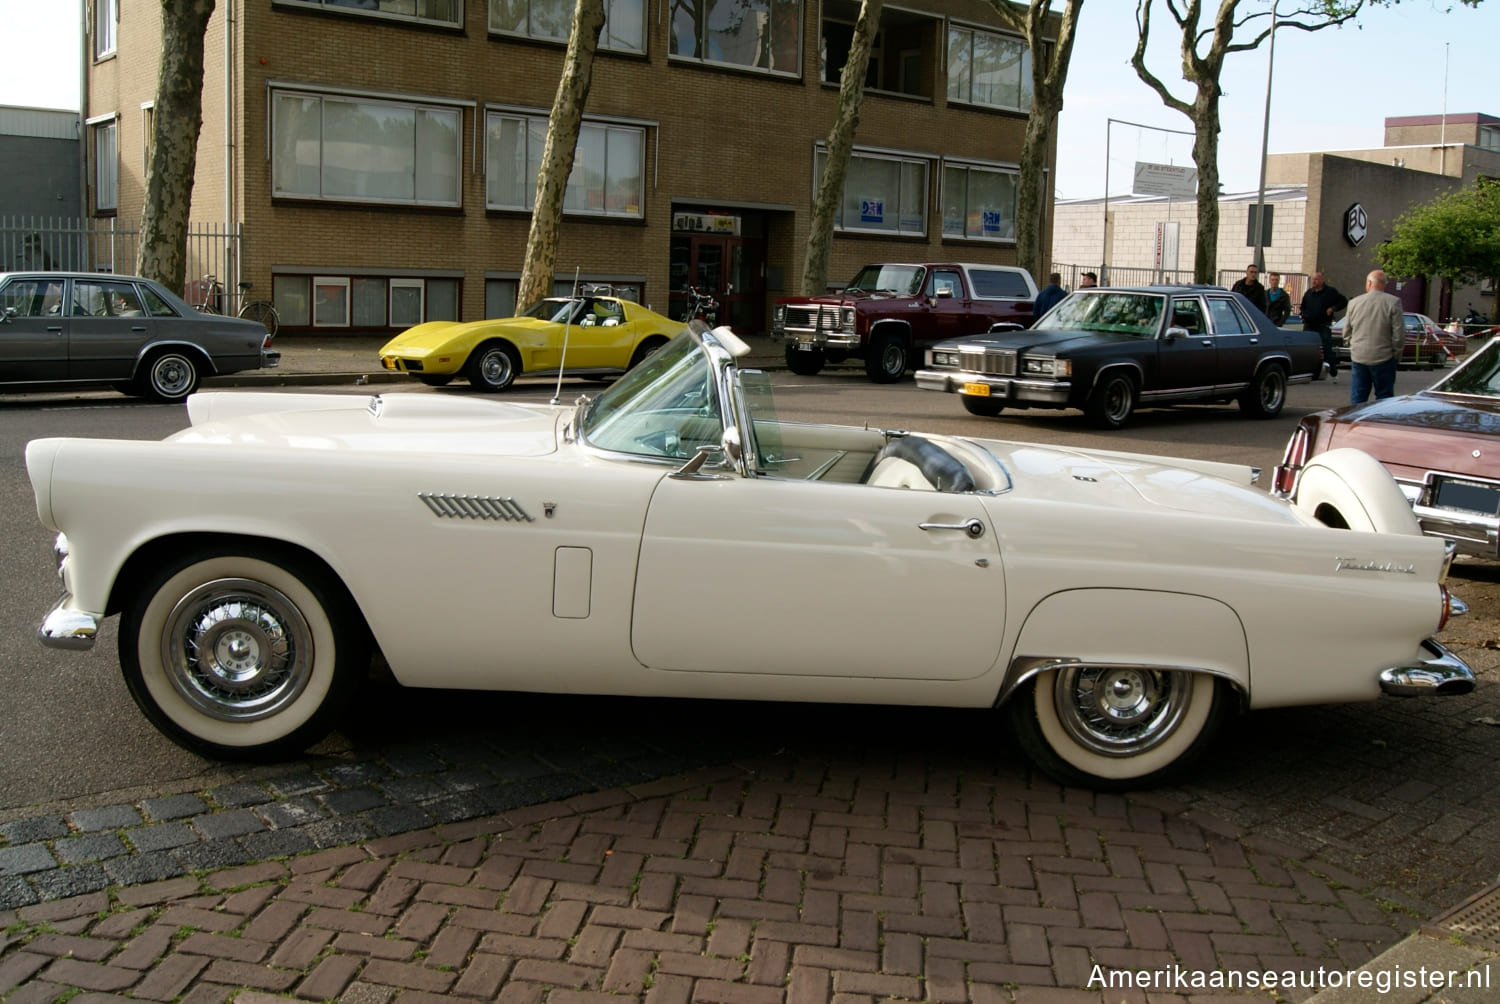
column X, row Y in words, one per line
column 237, row 650
column 1120, row 710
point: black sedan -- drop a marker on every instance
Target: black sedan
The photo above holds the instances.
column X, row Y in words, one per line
column 129, row 332
column 1109, row 351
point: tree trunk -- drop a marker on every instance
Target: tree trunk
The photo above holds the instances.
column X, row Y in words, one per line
column 1049, row 72
column 176, row 121
column 1206, row 159
column 540, row 263
column 840, row 145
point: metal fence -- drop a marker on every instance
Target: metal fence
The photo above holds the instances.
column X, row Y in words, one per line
column 67, row 244
column 1115, row 275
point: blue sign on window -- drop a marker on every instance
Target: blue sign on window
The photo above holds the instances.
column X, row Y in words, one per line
column 872, row 211
column 991, row 222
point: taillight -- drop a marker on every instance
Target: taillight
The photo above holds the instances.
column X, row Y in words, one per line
column 1447, row 607
column 1298, row 447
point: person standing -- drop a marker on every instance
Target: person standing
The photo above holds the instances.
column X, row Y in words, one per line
column 1088, row 280
column 1049, row 295
column 1320, row 304
column 1278, row 304
column 1375, row 330
column 1250, row 288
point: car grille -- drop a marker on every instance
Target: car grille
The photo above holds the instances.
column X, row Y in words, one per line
column 808, row 317
column 993, row 363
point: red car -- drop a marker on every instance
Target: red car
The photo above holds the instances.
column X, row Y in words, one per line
column 1442, row 445
column 1426, row 344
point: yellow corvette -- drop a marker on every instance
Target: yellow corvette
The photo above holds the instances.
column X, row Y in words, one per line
column 605, row 335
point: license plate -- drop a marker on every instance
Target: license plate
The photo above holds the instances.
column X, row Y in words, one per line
column 1468, row 495
column 388, row 362
column 977, row 389
column 804, row 347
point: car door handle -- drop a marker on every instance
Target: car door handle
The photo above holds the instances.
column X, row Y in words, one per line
column 1255, row 341
column 973, row 527
column 137, row 327
column 55, row 327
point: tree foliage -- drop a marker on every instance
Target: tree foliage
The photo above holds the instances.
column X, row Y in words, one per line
column 840, row 146
column 1454, row 237
column 175, row 125
column 540, row 263
column 1204, row 47
column 1049, row 72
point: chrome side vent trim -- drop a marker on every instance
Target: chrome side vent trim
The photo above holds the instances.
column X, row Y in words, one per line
column 475, row 507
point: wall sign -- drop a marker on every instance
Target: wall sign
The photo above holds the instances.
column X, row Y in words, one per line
column 1356, row 224
column 706, row 223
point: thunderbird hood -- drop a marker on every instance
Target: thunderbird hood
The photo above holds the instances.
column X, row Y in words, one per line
column 393, row 423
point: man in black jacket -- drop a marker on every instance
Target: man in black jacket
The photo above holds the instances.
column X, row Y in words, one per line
column 1278, row 303
column 1320, row 305
column 1251, row 288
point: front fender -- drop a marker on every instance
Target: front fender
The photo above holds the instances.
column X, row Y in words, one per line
column 1136, row 627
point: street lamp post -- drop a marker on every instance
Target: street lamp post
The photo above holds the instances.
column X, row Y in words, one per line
column 1265, row 139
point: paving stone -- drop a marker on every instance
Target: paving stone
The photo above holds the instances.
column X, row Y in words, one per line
column 240, row 795
column 406, row 764
column 412, row 790
column 25, row 831
column 15, row 892
column 336, row 832
column 276, row 844
column 137, row 869
column 210, row 855
column 89, row 847
column 394, row 819
column 297, row 784
column 162, row 836
column 25, row 859
column 61, row 883
column 110, row 817
column 351, row 800
column 221, row 825
column 292, row 812
column 173, row 807
column 352, row 774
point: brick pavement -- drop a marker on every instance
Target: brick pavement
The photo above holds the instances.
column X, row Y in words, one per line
column 788, row 879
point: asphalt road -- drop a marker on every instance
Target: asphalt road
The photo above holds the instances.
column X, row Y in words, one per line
column 1368, row 782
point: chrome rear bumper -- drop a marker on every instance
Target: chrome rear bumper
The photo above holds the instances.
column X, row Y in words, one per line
column 1442, row 674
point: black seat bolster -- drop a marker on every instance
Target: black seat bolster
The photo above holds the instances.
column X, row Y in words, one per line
column 946, row 472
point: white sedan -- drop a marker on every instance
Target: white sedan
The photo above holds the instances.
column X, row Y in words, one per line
column 672, row 537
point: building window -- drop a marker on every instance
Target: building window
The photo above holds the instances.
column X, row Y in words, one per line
column 985, row 68
column 624, row 21
column 1489, row 138
column 148, row 123
column 442, row 299
column 607, row 168
column 290, row 295
column 500, row 297
column 979, row 203
column 406, row 302
column 106, row 19
column 106, row 168
column 330, row 302
column 882, row 194
column 445, row 12
column 362, row 150
column 763, row 34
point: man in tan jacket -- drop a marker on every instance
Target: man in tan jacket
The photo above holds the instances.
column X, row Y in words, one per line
column 1375, row 331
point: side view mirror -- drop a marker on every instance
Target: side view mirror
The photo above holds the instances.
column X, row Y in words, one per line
column 7, row 314
column 1174, row 333
column 945, row 292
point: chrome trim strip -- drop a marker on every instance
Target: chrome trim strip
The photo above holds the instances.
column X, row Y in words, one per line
column 1024, row 667
column 1442, row 675
column 69, row 630
column 475, row 507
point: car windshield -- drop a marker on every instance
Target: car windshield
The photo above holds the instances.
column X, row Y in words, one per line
column 1478, row 375
column 905, row 279
column 1113, row 311
column 667, row 406
column 555, row 309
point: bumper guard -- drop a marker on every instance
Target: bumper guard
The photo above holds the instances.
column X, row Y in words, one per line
column 1443, row 674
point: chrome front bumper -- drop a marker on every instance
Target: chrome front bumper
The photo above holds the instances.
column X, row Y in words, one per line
column 70, row 630
column 1009, row 390
column 1443, row 674
column 822, row 339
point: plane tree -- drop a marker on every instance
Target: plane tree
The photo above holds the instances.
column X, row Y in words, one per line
column 1455, row 237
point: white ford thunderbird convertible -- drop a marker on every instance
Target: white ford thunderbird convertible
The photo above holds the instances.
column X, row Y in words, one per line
column 671, row 536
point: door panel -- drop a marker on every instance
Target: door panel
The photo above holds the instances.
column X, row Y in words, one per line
column 108, row 328
column 1186, row 363
column 801, row 578
column 34, row 343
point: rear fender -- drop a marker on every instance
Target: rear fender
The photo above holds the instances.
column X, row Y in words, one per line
column 1349, row 489
column 1136, row 627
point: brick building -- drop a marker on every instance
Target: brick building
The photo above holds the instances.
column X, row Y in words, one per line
column 380, row 156
column 1312, row 196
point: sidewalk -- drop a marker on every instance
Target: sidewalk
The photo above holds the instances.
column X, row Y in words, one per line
column 348, row 359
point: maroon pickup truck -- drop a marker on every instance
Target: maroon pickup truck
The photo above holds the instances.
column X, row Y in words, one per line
column 890, row 313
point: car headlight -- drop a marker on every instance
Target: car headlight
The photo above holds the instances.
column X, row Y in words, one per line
column 1048, row 367
column 945, row 358
column 781, row 315
column 846, row 318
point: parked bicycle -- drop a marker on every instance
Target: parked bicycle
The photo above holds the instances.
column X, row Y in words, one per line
column 212, row 299
column 701, row 306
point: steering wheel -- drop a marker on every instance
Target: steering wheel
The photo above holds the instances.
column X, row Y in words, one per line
column 664, row 442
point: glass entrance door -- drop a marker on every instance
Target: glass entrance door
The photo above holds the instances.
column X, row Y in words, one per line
column 728, row 269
